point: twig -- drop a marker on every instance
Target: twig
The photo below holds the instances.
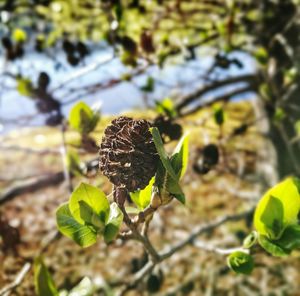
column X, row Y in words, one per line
column 18, row 280
column 67, row 174
column 136, row 278
column 210, row 248
column 202, row 229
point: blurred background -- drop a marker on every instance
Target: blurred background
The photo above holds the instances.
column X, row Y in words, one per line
column 227, row 72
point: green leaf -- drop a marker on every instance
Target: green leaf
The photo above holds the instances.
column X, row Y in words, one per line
column 24, row 87
column 149, row 86
column 290, row 238
column 19, row 35
column 162, row 153
column 240, row 262
column 83, row 235
column 166, row 178
column 82, row 118
column 219, row 116
column 73, row 163
column 272, row 217
column 297, row 127
column 113, row 224
column 44, row 284
column 142, row 198
column 271, row 247
column 180, row 157
column 89, row 216
column 85, row 288
column 93, row 197
column 250, row 240
column 270, row 223
column 166, row 107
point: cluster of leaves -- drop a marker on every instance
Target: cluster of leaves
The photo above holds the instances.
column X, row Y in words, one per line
column 277, row 225
column 87, row 215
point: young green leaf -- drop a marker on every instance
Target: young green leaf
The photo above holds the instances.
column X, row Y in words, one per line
column 24, row 87
column 43, row 282
column 179, row 159
column 290, row 239
column 83, row 235
column 82, row 118
column 149, row 86
column 113, row 224
column 219, row 116
column 142, row 198
column 89, row 216
column 272, row 217
column 250, row 240
column 277, row 209
column 85, row 288
column 271, row 247
column 240, row 262
column 162, row 153
column 166, row 107
column 73, row 163
column 93, row 197
column 19, row 35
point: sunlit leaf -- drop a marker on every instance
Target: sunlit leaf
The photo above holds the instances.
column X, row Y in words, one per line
column 93, row 197
column 24, row 87
column 166, row 107
column 162, row 153
column 180, row 157
column 114, row 222
column 19, row 35
column 85, row 288
column 44, row 284
column 83, row 235
column 82, row 118
column 142, row 198
column 271, row 246
column 269, row 215
column 250, row 240
column 240, row 262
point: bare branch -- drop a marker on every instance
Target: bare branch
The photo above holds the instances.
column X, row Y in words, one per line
column 5, row 291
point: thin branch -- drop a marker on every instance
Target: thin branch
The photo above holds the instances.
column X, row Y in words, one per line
column 222, row 251
column 82, row 72
column 190, row 98
column 5, row 291
column 202, row 229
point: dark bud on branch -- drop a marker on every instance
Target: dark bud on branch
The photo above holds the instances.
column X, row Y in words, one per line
column 128, row 157
column 208, row 159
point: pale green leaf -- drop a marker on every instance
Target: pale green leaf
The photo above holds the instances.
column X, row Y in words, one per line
column 142, row 198
column 287, row 193
column 44, row 284
column 94, row 197
column 240, row 262
column 114, row 223
column 82, row 118
column 180, row 157
column 83, row 235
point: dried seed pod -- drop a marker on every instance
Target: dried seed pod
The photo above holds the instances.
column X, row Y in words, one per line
column 128, row 157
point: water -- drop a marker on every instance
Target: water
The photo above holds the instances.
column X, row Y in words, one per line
column 179, row 78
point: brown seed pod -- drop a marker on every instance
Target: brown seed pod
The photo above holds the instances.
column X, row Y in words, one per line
column 128, row 157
